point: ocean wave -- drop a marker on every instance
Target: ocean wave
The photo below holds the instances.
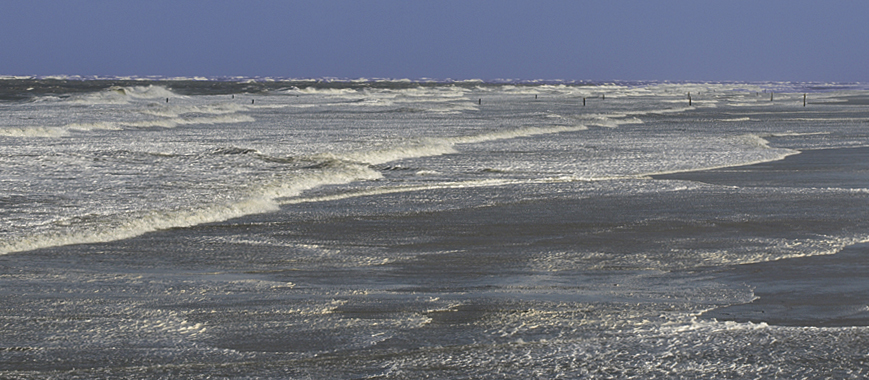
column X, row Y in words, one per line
column 323, row 91
column 745, row 143
column 61, row 131
column 400, row 189
column 174, row 122
column 48, row 132
column 100, row 125
column 118, row 227
column 33, row 132
column 260, row 199
column 173, row 111
column 435, row 146
column 121, row 95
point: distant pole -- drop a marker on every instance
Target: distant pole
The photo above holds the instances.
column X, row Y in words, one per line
column 804, row 100
column 583, row 102
column 480, row 101
column 689, row 98
column 603, row 97
column 251, row 101
column 770, row 95
column 535, row 96
column 167, row 100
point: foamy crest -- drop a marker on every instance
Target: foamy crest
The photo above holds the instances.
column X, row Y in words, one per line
column 173, row 111
column 125, row 228
column 435, row 146
column 118, row 227
column 323, row 91
column 150, row 92
column 738, row 150
column 516, row 133
column 121, row 95
column 101, row 125
column 174, row 122
column 402, row 189
column 33, row 132
column 114, row 126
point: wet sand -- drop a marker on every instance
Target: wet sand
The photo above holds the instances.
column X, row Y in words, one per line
column 823, row 291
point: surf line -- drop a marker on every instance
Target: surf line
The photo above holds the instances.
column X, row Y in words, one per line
column 414, row 188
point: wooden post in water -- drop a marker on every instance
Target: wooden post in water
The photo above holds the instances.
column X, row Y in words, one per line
column 583, row 102
column 804, row 100
column 689, row 98
column 770, row 96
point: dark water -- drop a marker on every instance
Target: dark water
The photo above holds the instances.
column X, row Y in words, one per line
column 807, row 291
column 406, row 231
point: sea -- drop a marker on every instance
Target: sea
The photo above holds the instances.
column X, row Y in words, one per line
column 275, row 228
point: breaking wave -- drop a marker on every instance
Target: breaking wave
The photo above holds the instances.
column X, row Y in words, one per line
column 261, row 199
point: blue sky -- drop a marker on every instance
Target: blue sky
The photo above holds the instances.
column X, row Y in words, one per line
column 594, row 40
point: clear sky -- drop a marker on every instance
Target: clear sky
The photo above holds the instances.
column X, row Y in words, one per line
column 598, row 40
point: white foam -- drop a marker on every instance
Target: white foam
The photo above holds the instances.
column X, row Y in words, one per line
column 324, row 91
column 118, row 227
column 100, row 125
column 435, row 146
column 514, row 133
column 174, row 122
column 173, row 111
column 113, row 126
column 267, row 106
column 608, row 121
column 127, row 228
column 763, row 153
column 150, row 92
column 401, row 189
column 122, row 95
column 33, row 132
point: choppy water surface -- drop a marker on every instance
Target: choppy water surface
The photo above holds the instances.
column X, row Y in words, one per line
column 292, row 229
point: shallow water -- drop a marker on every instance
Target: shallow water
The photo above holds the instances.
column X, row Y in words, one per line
column 450, row 231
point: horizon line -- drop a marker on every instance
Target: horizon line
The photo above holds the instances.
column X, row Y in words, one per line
column 328, row 79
